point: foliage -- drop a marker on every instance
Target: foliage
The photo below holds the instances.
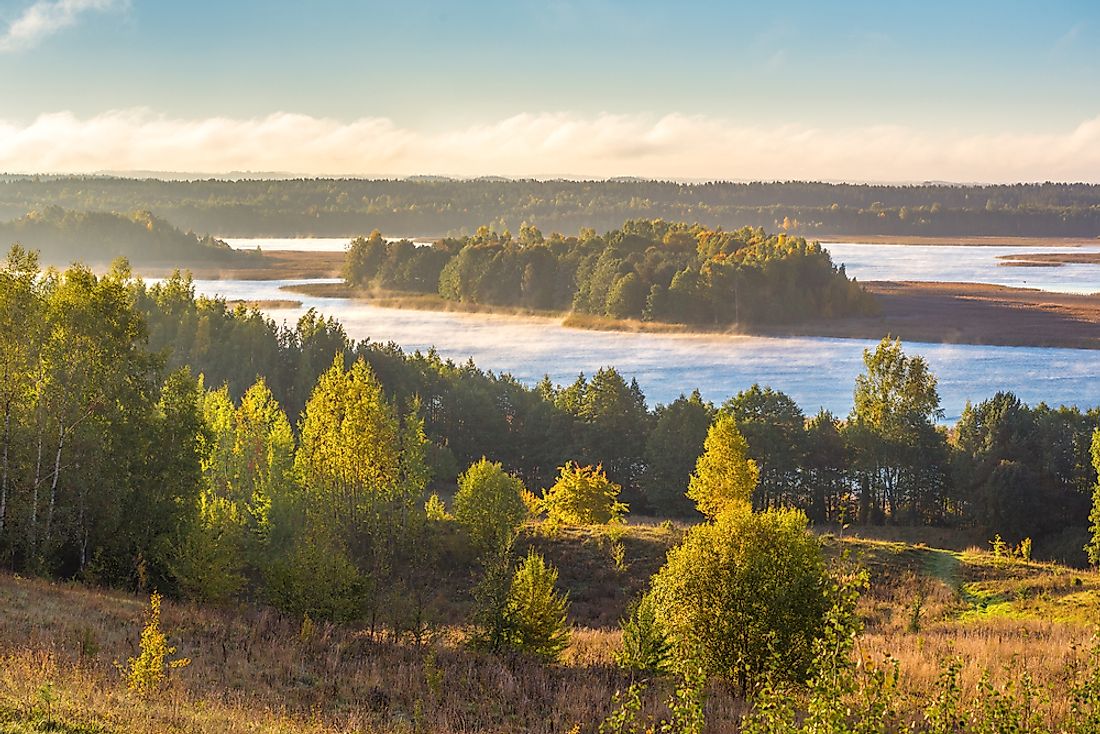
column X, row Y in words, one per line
column 536, row 612
column 645, row 643
column 489, row 505
column 744, row 597
column 582, row 495
column 148, row 672
column 671, row 450
column 316, row 578
column 648, row 269
column 724, row 476
column 1093, row 548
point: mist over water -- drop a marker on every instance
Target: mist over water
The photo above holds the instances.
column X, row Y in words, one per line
column 817, row 372
column 966, row 264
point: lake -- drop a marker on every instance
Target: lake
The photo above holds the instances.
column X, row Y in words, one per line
column 816, row 372
column 966, row 264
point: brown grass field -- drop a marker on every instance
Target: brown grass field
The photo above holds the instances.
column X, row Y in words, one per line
column 63, row 648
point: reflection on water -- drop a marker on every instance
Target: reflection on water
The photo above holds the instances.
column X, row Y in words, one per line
column 817, row 372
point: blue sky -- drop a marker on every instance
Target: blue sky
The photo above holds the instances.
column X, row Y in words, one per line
column 932, row 74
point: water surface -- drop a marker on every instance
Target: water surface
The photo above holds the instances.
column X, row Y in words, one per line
column 815, row 371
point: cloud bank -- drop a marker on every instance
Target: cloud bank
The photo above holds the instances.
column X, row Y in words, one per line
column 45, row 18
column 670, row 146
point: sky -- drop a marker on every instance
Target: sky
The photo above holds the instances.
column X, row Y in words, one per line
column 967, row 91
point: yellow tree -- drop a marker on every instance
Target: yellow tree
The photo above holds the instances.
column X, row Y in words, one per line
column 724, row 475
column 349, row 458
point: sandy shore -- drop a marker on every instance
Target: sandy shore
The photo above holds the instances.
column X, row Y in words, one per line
column 1050, row 259
column 980, row 241
column 276, row 265
column 970, row 313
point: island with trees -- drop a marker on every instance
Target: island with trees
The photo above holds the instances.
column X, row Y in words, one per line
column 645, row 270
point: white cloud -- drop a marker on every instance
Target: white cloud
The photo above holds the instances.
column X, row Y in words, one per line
column 46, row 17
column 671, row 146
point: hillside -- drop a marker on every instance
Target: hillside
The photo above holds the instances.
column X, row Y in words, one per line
column 255, row 670
column 431, row 207
column 96, row 238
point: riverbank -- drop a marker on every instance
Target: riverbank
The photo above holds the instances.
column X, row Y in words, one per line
column 274, row 265
column 951, row 313
column 971, row 240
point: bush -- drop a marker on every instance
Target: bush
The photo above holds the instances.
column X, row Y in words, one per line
column 745, row 595
column 535, row 613
column 489, row 505
column 149, row 670
column 582, row 495
column 318, row 579
column 645, row 643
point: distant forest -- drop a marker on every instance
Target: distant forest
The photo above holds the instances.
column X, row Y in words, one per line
column 432, row 207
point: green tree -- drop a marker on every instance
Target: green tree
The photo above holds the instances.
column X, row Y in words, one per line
column 1093, row 547
column 744, row 596
column 645, row 643
column 489, row 505
column 582, row 495
column 896, row 404
column 724, row 476
column 672, row 448
column 536, row 612
column 774, row 427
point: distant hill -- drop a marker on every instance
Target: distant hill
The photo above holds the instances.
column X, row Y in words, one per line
column 430, row 206
column 63, row 236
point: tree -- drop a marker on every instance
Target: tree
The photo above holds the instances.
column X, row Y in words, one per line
column 774, row 427
column 536, row 612
column 582, row 495
column 896, row 404
column 489, row 505
column 1093, row 547
column 672, row 448
column 724, row 475
column 745, row 595
column 645, row 642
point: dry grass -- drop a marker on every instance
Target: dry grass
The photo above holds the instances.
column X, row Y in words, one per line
column 61, row 646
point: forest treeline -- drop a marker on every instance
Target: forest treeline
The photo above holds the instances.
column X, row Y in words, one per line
column 63, row 236
column 110, row 439
column 433, row 207
column 646, row 269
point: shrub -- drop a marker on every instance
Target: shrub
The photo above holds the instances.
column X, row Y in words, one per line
column 582, row 495
column 489, row 505
column 645, row 643
column 745, row 595
column 149, row 670
column 318, row 579
column 536, row 613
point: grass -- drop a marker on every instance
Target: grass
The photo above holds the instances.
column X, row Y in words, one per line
column 63, row 647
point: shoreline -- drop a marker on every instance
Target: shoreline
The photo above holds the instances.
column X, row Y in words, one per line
column 932, row 312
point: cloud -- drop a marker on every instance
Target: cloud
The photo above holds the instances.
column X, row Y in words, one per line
column 46, row 17
column 547, row 144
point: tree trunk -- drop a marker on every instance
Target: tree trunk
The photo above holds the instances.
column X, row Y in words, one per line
column 34, row 487
column 4, row 480
column 53, row 482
